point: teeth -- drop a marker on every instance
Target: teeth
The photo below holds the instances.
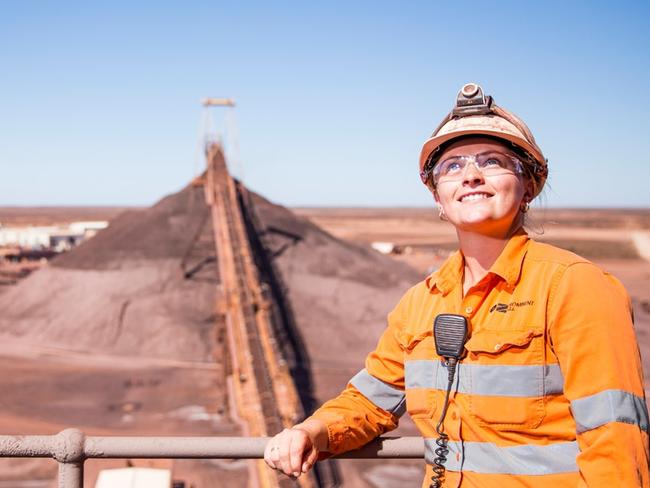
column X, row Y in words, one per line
column 473, row 196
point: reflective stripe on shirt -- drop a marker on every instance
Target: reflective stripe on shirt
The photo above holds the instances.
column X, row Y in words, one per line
column 609, row 406
column 487, row 380
column 488, row 458
column 381, row 394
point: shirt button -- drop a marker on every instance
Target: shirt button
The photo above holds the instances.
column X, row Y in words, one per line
column 469, row 310
column 454, row 415
column 497, row 347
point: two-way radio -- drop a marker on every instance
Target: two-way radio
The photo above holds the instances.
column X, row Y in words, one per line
column 450, row 334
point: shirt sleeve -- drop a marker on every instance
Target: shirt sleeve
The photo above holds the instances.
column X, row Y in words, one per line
column 592, row 334
column 374, row 399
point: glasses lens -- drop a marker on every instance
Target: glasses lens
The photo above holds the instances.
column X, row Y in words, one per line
column 450, row 167
column 495, row 163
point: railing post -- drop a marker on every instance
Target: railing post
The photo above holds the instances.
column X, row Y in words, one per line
column 71, row 475
column 69, row 452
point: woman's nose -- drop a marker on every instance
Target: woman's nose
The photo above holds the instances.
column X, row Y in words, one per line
column 472, row 174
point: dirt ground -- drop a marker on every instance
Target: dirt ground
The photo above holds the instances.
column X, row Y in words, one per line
column 132, row 397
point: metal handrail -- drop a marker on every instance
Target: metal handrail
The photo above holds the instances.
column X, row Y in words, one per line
column 71, row 447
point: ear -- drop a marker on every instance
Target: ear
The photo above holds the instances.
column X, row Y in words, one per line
column 529, row 190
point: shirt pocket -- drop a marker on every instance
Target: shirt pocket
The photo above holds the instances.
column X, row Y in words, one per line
column 420, row 374
column 503, row 395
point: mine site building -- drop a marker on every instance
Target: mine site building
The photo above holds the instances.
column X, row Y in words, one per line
column 59, row 238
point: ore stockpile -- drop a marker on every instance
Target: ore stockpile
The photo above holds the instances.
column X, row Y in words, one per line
column 122, row 335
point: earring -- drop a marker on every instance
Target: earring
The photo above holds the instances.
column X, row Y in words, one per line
column 441, row 214
column 524, row 206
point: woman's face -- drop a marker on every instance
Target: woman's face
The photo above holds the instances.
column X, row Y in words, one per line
column 479, row 203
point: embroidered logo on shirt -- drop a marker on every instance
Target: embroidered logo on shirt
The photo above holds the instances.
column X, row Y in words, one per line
column 509, row 307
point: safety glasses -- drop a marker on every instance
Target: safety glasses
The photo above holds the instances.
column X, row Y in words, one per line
column 489, row 164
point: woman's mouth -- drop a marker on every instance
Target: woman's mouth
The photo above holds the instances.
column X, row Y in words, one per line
column 471, row 197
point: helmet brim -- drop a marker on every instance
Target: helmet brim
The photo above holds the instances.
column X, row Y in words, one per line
column 434, row 143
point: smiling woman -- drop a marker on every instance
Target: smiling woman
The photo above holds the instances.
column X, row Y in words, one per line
column 549, row 390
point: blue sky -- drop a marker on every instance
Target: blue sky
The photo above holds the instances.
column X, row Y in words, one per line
column 99, row 102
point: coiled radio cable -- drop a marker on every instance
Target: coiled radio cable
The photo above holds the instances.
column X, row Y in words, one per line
column 450, row 334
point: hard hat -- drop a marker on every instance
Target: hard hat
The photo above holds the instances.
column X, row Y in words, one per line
column 476, row 113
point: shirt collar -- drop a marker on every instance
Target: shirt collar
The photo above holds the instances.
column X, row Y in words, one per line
column 507, row 266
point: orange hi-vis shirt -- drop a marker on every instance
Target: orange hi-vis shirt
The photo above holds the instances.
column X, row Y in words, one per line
column 550, row 393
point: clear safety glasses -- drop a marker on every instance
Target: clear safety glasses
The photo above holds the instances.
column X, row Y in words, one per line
column 489, row 164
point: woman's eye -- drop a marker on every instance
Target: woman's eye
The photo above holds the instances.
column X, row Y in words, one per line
column 452, row 167
column 491, row 162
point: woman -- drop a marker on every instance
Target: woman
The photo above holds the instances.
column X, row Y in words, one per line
column 549, row 391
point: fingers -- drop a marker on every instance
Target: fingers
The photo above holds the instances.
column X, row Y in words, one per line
column 285, row 462
column 271, row 454
column 310, row 460
column 299, row 447
column 291, row 452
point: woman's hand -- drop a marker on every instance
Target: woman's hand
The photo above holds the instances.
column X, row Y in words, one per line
column 294, row 451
